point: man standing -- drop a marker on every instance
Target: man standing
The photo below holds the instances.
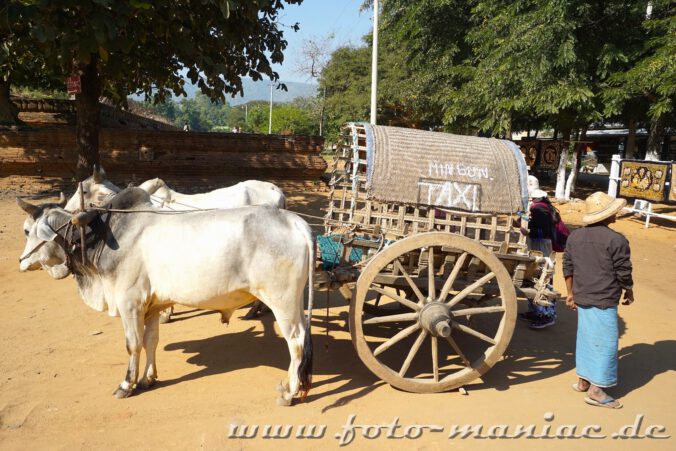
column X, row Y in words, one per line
column 597, row 267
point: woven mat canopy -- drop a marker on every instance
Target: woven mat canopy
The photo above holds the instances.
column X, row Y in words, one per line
column 482, row 175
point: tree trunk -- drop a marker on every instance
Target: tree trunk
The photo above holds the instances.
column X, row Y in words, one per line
column 9, row 113
column 630, row 151
column 561, row 171
column 654, row 149
column 88, row 120
column 572, row 178
column 321, row 114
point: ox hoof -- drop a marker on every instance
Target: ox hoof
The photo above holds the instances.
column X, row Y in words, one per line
column 145, row 384
column 122, row 393
column 282, row 401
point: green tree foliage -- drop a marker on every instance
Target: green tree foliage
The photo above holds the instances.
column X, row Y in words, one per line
column 424, row 46
column 653, row 72
column 649, row 81
column 346, row 79
column 494, row 66
column 142, row 46
column 543, row 59
column 286, row 120
column 202, row 115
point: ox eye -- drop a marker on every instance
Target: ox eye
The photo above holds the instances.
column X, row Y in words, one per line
column 26, row 232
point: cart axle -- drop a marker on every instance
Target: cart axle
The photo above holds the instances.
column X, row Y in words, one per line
column 435, row 318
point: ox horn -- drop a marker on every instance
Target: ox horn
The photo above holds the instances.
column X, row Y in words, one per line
column 83, row 218
column 62, row 200
column 25, row 206
column 99, row 174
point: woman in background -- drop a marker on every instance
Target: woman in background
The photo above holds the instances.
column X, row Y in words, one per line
column 540, row 234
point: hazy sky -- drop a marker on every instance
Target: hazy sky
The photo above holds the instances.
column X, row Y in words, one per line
column 318, row 19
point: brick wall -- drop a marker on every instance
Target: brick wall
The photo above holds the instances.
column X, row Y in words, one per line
column 188, row 160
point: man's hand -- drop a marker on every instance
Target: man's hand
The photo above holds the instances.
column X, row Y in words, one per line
column 628, row 297
column 570, row 302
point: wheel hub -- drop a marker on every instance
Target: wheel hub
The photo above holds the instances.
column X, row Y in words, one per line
column 435, row 318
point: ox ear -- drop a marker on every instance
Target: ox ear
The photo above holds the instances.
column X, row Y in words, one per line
column 44, row 230
column 99, row 174
column 62, row 200
column 27, row 207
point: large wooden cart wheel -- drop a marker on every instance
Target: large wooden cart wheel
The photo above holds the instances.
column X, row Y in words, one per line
column 459, row 310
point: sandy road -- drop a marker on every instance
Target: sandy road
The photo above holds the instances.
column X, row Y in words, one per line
column 61, row 361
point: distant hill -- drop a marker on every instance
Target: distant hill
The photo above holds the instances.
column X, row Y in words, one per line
column 260, row 90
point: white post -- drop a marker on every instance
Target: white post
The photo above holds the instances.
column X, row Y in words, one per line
column 374, row 63
column 614, row 175
column 270, row 119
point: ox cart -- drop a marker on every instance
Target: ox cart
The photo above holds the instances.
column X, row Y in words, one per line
column 422, row 236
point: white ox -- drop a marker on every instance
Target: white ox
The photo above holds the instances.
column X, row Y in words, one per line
column 97, row 190
column 250, row 192
column 140, row 262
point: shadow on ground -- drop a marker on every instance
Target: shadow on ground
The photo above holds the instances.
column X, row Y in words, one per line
column 532, row 355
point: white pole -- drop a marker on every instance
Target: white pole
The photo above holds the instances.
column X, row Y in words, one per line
column 374, row 63
column 270, row 120
column 614, row 175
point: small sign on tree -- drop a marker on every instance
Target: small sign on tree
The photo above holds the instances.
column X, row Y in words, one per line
column 73, row 84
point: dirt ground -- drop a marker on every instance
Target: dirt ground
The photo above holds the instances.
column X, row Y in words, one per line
column 61, row 361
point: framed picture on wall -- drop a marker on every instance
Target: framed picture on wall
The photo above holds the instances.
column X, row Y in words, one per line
column 549, row 154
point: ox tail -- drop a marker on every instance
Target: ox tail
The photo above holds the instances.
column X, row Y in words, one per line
column 305, row 367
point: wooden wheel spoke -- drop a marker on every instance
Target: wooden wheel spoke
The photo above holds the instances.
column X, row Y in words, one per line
column 395, row 339
column 478, row 310
column 469, row 289
column 474, row 333
column 457, row 350
column 411, row 354
column 410, row 304
column 414, row 287
column 435, row 359
column 392, row 318
column 431, row 289
column 451, row 278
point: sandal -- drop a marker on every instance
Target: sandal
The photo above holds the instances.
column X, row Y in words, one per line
column 608, row 403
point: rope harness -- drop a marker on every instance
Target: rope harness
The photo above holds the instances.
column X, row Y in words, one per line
column 68, row 242
column 41, row 243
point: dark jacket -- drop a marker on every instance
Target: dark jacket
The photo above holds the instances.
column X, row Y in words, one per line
column 598, row 259
column 541, row 223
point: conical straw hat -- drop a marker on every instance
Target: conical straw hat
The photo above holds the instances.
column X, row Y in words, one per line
column 601, row 206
